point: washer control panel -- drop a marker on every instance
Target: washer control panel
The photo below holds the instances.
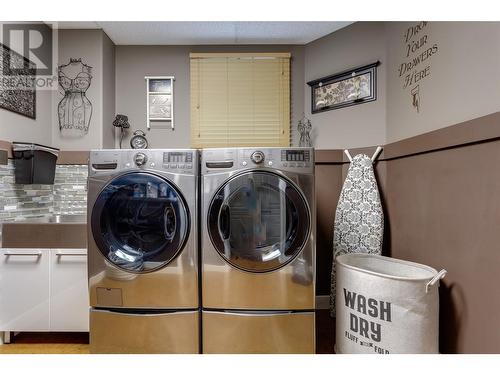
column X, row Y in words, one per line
column 174, row 161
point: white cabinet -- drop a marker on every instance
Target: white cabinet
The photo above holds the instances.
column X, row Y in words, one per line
column 43, row 290
column 69, row 296
column 24, row 290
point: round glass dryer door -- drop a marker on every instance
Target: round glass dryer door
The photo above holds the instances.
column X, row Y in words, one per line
column 258, row 221
column 140, row 222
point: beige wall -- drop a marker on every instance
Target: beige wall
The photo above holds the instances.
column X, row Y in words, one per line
column 463, row 81
column 357, row 126
column 97, row 50
column 16, row 127
column 133, row 63
column 85, row 44
column 463, row 84
column 108, row 92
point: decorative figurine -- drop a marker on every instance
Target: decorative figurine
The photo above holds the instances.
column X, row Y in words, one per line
column 121, row 121
column 304, row 127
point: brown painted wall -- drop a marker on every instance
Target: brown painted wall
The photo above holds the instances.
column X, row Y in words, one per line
column 328, row 185
column 444, row 211
column 441, row 202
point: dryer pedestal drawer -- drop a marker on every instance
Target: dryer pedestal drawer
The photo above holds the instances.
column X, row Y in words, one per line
column 258, row 332
column 152, row 333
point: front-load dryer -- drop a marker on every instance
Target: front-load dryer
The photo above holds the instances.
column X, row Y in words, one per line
column 258, row 250
column 142, row 251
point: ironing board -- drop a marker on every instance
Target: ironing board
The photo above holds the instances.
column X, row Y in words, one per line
column 359, row 219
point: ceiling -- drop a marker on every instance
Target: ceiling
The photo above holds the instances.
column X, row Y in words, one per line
column 209, row 32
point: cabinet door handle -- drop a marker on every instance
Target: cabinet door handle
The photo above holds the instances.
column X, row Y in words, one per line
column 72, row 254
column 36, row 253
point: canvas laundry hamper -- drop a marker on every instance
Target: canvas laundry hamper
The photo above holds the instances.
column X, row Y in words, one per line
column 386, row 305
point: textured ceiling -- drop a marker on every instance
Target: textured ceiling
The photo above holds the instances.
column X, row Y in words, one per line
column 191, row 33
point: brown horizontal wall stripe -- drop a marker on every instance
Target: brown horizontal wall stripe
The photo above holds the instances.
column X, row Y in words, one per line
column 328, row 157
column 339, row 157
column 4, row 156
column 73, row 157
column 481, row 129
column 6, row 146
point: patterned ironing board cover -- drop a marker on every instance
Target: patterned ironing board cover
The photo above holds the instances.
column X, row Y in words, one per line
column 359, row 218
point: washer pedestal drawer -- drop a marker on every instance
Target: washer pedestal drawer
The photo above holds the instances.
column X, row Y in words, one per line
column 125, row 332
column 258, row 332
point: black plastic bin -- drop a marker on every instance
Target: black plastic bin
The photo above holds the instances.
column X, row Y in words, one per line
column 34, row 163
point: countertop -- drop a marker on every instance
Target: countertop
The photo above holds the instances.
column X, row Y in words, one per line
column 55, row 232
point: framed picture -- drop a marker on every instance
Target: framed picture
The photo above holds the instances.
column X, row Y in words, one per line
column 17, row 89
column 160, row 101
column 350, row 87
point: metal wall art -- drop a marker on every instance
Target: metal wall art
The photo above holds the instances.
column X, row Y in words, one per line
column 17, row 83
column 75, row 109
column 351, row 87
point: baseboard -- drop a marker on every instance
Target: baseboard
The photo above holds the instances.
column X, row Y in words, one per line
column 322, row 302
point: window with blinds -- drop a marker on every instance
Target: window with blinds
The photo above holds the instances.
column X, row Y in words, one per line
column 240, row 99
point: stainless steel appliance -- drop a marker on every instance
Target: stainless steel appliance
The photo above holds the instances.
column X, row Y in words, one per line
column 258, row 250
column 142, row 242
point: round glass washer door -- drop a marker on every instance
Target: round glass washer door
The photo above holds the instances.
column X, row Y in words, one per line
column 258, row 221
column 140, row 222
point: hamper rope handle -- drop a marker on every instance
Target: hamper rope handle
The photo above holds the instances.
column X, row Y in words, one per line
column 435, row 279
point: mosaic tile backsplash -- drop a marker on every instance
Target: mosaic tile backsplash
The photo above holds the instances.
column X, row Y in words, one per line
column 67, row 196
column 70, row 189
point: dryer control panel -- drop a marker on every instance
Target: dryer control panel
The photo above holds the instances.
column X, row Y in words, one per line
column 294, row 159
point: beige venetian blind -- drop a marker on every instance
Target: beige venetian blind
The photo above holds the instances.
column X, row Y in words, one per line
column 240, row 99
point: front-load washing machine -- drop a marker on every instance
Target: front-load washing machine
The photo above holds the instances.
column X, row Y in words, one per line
column 142, row 251
column 258, row 250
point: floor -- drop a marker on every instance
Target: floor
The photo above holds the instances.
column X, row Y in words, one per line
column 47, row 343
column 78, row 343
